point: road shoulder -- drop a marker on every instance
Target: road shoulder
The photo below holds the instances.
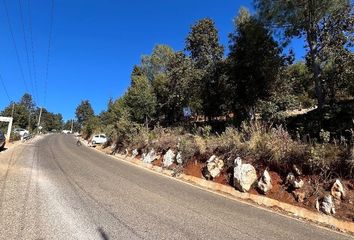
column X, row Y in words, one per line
column 262, row 202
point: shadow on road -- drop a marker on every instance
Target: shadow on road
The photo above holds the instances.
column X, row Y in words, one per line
column 3, row 149
column 103, row 234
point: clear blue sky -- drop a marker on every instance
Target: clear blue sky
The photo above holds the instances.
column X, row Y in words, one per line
column 95, row 44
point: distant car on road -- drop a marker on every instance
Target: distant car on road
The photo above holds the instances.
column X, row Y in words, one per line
column 22, row 132
column 99, row 139
column 66, row 131
column 2, row 140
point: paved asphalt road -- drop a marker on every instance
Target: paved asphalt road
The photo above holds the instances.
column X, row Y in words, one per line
column 51, row 189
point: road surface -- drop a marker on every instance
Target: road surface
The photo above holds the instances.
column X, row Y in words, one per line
column 52, row 189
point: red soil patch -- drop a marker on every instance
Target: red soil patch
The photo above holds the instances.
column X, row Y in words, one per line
column 222, row 179
column 193, row 168
column 158, row 162
column 278, row 192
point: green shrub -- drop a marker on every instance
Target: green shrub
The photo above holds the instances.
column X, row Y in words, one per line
column 164, row 139
column 188, row 147
column 324, row 159
column 272, row 145
column 228, row 141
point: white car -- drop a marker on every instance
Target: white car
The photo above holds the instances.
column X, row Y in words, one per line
column 22, row 132
column 66, row 131
column 99, row 139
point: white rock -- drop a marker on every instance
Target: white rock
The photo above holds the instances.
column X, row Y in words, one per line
column 179, row 158
column 168, row 158
column 293, row 182
column 150, row 156
column 238, row 162
column 317, row 204
column 337, row 190
column 290, row 178
column 265, row 182
column 135, row 153
column 244, row 175
column 298, row 184
column 327, row 205
column 214, row 166
column 297, row 170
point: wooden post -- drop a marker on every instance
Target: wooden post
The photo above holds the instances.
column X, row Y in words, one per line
column 9, row 127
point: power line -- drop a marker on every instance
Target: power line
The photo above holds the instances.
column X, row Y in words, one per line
column 26, row 48
column 32, row 49
column 15, row 45
column 48, row 53
column 4, row 87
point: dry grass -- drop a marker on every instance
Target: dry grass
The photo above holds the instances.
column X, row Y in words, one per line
column 257, row 142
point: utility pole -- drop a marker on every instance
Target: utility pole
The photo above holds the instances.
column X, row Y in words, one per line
column 72, row 125
column 29, row 121
column 39, row 119
column 13, row 110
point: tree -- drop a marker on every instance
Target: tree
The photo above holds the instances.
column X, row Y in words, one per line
column 206, row 54
column 140, row 98
column 51, row 121
column 155, row 68
column 27, row 101
column 179, row 87
column 20, row 115
column 254, row 64
column 203, row 44
column 84, row 112
column 314, row 20
column 295, row 84
column 155, row 64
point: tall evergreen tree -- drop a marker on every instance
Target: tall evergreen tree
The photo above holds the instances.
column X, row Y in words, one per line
column 84, row 112
column 140, row 98
column 206, row 53
column 255, row 61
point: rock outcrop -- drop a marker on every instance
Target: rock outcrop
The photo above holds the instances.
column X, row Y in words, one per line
column 150, row 156
column 135, row 153
column 179, row 158
column 244, row 175
column 297, row 170
column 337, row 190
column 213, row 167
column 326, row 205
column 265, row 182
column 293, row 182
column 168, row 158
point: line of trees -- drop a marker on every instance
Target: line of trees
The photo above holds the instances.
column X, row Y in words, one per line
column 25, row 115
column 256, row 77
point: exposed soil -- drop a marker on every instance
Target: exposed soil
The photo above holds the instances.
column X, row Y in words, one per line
column 193, row 168
column 278, row 192
column 344, row 209
column 158, row 162
column 223, row 178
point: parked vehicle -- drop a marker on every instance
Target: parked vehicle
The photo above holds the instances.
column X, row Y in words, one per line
column 99, row 139
column 66, row 131
column 20, row 131
column 2, row 140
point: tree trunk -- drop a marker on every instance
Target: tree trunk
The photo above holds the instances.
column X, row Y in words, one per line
column 312, row 40
column 318, row 84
